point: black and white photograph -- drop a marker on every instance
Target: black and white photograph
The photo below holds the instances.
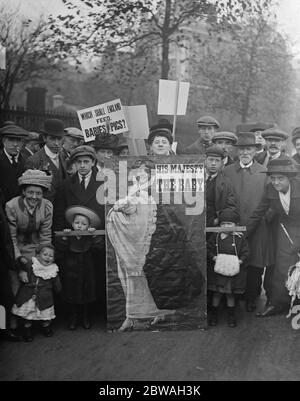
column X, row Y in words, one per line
column 149, row 194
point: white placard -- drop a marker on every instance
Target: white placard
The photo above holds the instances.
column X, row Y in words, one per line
column 105, row 118
column 179, row 177
column 167, row 97
column 137, row 120
column 2, row 57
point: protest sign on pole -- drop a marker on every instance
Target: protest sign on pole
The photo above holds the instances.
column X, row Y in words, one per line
column 2, row 57
column 103, row 119
column 168, row 97
column 138, row 129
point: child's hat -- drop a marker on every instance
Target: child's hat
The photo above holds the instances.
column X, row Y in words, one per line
column 72, row 211
column 229, row 215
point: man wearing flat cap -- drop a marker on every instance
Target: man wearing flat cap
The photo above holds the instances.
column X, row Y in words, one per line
column 219, row 189
column 206, row 127
column 225, row 140
column 48, row 158
column 31, row 145
column 12, row 164
column 275, row 141
column 72, row 139
column 249, row 178
column 296, row 143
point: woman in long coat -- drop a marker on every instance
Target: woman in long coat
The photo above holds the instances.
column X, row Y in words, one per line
column 282, row 196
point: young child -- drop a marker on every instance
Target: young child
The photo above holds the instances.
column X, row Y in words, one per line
column 230, row 243
column 34, row 300
column 78, row 270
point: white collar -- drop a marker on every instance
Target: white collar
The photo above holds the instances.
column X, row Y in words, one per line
column 246, row 165
column 276, row 156
column 30, row 151
column 44, row 272
column 86, row 177
column 10, row 158
column 50, row 154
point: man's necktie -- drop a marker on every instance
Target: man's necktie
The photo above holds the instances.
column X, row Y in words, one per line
column 14, row 161
column 82, row 184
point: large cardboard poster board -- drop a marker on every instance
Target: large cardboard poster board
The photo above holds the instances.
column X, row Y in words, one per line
column 156, row 252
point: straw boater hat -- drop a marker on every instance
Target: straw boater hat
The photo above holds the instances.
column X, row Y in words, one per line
column 72, row 211
column 35, row 177
column 284, row 166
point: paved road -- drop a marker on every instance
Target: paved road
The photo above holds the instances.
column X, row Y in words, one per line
column 258, row 349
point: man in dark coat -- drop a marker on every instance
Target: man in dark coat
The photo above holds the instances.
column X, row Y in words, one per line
column 7, row 262
column 31, row 145
column 48, row 158
column 219, row 189
column 225, row 140
column 12, row 164
column 206, row 127
column 249, row 179
column 275, row 142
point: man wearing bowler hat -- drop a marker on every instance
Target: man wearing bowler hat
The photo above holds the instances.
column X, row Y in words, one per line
column 12, row 164
column 225, row 140
column 48, row 158
column 248, row 178
column 206, row 127
column 275, row 140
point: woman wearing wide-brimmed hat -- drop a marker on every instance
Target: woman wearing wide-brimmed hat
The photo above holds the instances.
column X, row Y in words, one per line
column 282, row 196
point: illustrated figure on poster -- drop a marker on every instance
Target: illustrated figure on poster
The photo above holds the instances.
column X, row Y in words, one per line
column 150, row 243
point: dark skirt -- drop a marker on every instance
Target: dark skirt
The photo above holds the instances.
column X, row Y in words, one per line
column 78, row 278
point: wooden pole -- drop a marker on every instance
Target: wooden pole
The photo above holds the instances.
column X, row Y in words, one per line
column 175, row 108
column 77, row 233
column 225, row 229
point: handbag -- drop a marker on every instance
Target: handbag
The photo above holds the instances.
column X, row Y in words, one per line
column 227, row 265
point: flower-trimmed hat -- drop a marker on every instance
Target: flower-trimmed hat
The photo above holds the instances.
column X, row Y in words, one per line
column 35, row 177
column 72, row 211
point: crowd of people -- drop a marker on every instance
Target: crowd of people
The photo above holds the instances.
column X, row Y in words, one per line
column 49, row 182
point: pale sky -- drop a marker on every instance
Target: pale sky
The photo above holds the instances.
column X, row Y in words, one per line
column 288, row 14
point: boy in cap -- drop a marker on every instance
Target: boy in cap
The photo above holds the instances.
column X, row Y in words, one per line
column 219, row 189
column 12, row 164
column 48, row 158
column 207, row 126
